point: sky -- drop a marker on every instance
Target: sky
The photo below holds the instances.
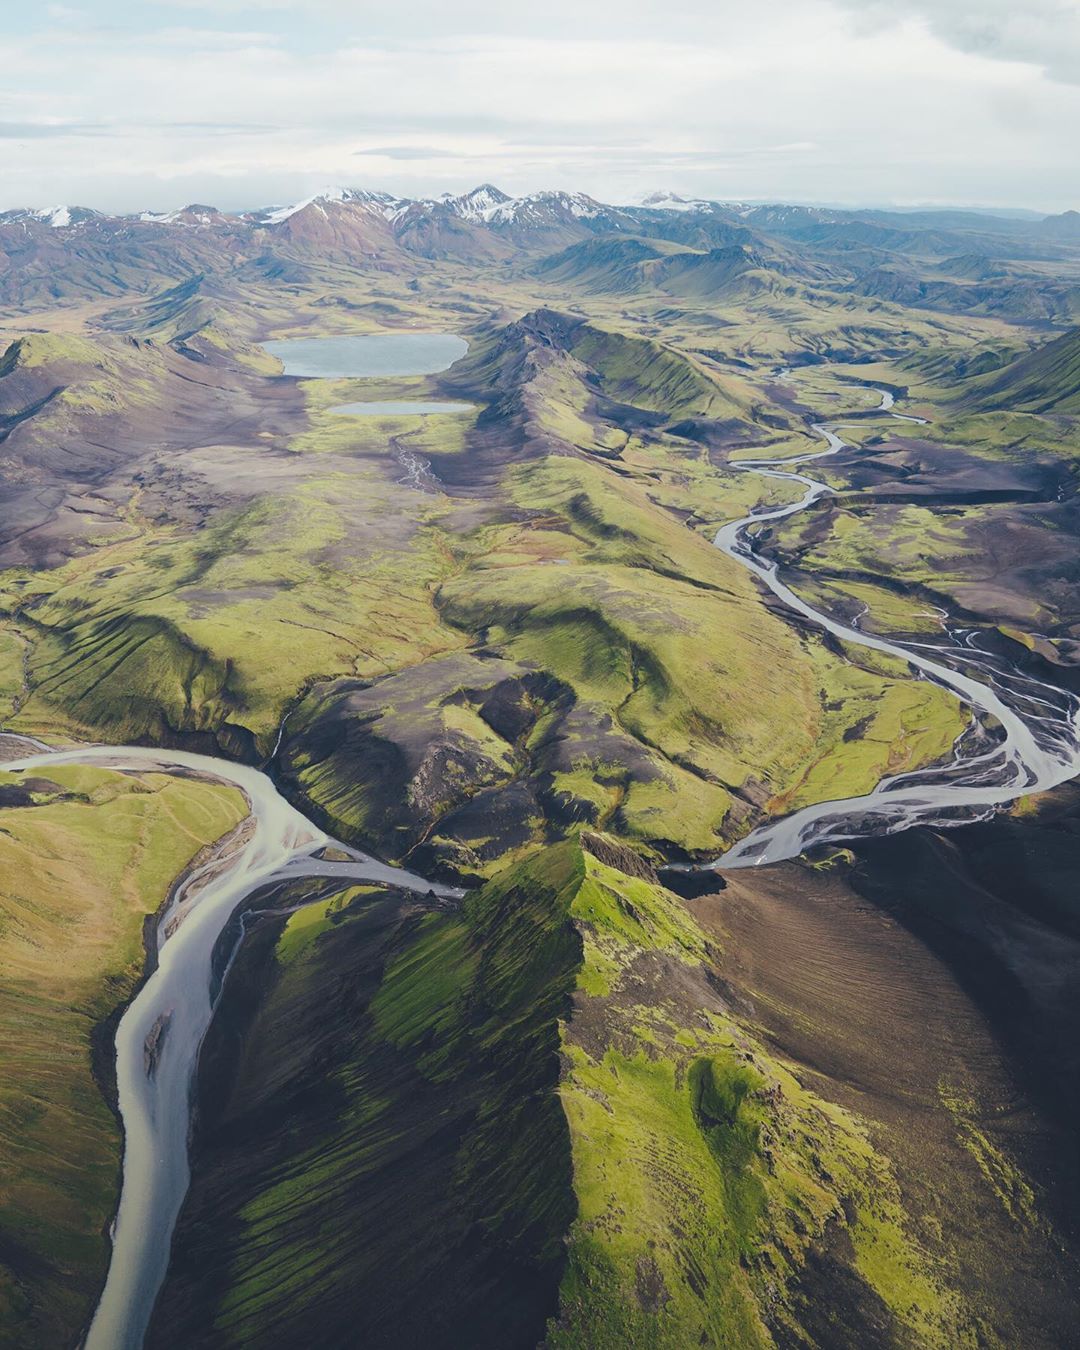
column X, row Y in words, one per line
column 126, row 106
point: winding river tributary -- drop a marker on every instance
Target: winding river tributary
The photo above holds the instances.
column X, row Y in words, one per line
column 1033, row 746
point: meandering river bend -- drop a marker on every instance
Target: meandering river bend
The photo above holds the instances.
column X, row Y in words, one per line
column 160, row 1034
column 1029, row 742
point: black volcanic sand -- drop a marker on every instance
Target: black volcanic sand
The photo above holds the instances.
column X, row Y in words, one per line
column 999, row 902
column 941, row 967
column 1019, row 554
column 1020, row 557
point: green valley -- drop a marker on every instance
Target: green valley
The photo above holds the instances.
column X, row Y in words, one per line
column 682, row 684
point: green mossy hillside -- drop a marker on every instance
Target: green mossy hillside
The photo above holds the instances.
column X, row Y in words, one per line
column 707, row 1173
column 621, row 672
column 550, row 374
column 383, row 1153
column 1046, row 380
column 531, row 1119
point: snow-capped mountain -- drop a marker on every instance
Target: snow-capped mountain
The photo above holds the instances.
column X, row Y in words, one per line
column 543, row 209
column 194, row 216
column 485, row 207
column 382, row 203
column 52, row 217
column 489, row 206
column 52, row 253
column 672, row 201
column 479, row 205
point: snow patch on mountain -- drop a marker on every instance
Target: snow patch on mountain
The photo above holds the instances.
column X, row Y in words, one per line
column 52, row 217
column 671, row 201
column 380, row 203
column 479, row 205
column 283, row 213
column 188, row 216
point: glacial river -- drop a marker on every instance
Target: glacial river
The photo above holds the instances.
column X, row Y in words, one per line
column 1033, row 746
column 160, row 1033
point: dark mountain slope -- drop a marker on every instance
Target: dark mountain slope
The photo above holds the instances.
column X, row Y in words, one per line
column 613, row 264
column 625, row 266
column 76, row 415
column 394, row 1169
column 555, row 1116
column 1028, row 298
column 106, row 256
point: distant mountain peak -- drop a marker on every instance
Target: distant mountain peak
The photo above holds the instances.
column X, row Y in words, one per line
column 1066, row 225
column 382, row 203
column 663, row 200
column 55, row 217
column 196, row 213
column 59, row 217
column 478, row 204
column 546, row 208
column 279, row 214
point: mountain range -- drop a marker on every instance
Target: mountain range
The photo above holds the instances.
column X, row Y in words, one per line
column 948, row 260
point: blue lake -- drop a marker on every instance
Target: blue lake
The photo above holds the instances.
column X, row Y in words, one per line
column 355, row 356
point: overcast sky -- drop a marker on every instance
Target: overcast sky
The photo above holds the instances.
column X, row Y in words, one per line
column 122, row 105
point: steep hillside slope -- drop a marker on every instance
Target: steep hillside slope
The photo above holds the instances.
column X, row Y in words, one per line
column 636, row 266
column 78, row 414
column 1047, row 380
column 92, row 257
column 550, row 377
column 539, row 1120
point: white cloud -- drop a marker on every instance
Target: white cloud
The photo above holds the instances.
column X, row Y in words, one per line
column 1045, row 33
column 796, row 99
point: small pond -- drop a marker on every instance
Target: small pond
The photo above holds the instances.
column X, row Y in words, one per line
column 401, row 408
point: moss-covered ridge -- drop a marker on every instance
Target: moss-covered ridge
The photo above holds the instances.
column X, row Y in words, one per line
column 531, row 1118
column 706, row 1172
column 549, row 377
column 1046, row 380
column 623, row 673
column 383, row 1154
